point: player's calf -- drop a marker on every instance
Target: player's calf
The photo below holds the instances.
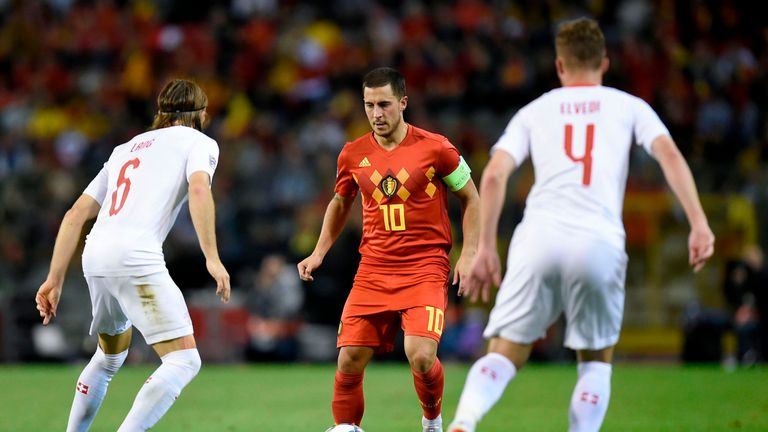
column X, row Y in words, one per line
column 162, row 389
column 92, row 387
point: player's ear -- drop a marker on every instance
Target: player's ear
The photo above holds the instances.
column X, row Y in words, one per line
column 403, row 103
column 604, row 65
column 559, row 66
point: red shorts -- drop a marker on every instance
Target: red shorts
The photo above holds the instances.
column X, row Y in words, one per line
column 378, row 302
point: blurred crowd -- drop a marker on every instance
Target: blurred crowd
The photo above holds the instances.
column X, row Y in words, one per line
column 78, row 77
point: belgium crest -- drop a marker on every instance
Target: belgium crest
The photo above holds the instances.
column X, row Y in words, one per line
column 389, row 186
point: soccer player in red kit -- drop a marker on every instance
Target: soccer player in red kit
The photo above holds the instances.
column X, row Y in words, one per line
column 403, row 174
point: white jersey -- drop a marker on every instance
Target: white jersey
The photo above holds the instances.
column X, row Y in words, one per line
column 579, row 140
column 141, row 189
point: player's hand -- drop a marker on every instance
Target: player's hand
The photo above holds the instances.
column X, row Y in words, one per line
column 701, row 246
column 307, row 266
column 47, row 299
column 221, row 276
column 484, row 272
column 461, row 271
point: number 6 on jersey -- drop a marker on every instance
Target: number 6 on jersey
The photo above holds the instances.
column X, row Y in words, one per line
column 126, row 183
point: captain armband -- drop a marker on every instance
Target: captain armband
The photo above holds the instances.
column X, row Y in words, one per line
column 459, row 177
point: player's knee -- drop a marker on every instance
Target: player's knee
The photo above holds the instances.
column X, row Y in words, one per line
column 422, row 361
column 351, row 364
column 110, row 363
column 187, row 360
column 353, row 360
column 195, row 363
column 603, row 355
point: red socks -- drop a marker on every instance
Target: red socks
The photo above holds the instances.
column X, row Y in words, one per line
column 348, row 401
column 429, row 388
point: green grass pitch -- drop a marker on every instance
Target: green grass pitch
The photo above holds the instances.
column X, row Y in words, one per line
column 297, row 397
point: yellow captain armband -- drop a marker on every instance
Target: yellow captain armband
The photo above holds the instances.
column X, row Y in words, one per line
column 459, row 177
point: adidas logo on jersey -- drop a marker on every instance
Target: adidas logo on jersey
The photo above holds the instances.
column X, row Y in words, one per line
column 364, row 163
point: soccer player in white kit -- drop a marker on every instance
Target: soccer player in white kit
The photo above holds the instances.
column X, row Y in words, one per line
column 567, row 255
column 135, row 199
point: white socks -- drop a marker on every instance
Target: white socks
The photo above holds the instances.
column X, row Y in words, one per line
column 590, row 397
column 161, row 389
column 92, row 387
column 154, row 399
column 434, row 425
column 485, row 384
column 490, row 375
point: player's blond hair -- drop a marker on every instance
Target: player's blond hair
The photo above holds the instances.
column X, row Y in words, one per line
column 180, row 102
column 580, row 44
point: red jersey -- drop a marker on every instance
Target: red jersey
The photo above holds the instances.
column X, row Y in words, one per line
column 405, row 204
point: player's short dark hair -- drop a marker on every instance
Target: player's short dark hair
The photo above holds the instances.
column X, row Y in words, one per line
column 580, row 43
column 180, row 101
column 382, row 76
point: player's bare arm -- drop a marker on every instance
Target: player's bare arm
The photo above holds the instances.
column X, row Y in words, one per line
column 203, row 213
column 470, row 220
column 701, row 240
column 486, row 267
column 333, row 222
column 70, row 231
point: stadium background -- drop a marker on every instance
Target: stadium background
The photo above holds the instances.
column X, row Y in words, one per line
column 283, row 78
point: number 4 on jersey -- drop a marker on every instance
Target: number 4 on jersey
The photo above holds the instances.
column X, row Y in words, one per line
column 586, row 158
column 124, row 181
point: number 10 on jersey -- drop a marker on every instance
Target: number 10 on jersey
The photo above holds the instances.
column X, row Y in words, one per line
column 394, row 216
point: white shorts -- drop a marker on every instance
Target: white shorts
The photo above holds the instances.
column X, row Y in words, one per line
column 551, row 271
column 152, row 303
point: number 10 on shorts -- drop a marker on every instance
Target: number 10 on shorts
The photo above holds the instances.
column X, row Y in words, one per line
column 436, row 320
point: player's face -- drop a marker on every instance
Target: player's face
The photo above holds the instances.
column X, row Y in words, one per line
column 384, row 109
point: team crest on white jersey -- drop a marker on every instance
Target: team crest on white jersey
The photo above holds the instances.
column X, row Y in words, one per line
column 212, row 161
